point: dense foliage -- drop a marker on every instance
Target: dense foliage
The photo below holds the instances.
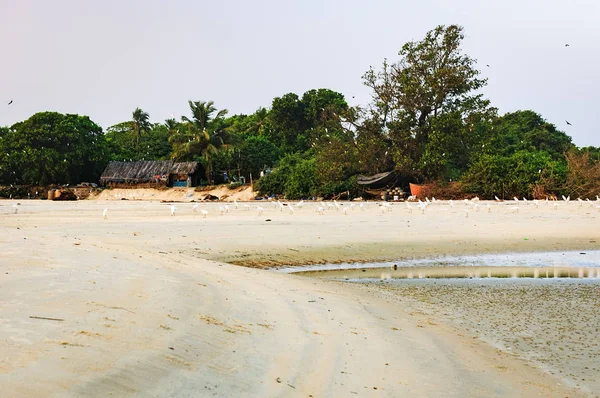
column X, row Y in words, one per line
column 427, row 120
column 50, row 147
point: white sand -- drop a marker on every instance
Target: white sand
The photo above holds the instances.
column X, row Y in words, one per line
column 146, row 311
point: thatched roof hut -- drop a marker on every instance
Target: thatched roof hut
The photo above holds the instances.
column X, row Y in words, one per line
column 184, row 174
column 149, row 172
column 145, row 171
column 184, row 168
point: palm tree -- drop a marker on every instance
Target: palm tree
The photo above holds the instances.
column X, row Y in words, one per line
column 202, row 135
column 258, row 122
column 140, row 124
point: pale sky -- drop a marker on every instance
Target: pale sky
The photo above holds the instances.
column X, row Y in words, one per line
column 104, row 58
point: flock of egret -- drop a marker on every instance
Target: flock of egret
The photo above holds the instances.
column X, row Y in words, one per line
column 346, row 208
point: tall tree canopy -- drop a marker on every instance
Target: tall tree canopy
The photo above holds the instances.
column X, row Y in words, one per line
column 426, row 105
column 202, row 135
column 140, row 124
column 51, row 147
column 294, row 123
column 522, row 152
column 123, row 146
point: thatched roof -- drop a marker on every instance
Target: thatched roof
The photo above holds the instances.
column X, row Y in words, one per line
column 184, row 168
column 142, row 171
column 146, row 171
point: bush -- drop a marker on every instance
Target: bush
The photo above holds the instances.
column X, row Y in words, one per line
column 295, row 178
column 519, row 174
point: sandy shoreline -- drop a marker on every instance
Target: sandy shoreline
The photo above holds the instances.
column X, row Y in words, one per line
column 147, row 310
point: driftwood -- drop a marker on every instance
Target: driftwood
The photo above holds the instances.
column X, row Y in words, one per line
column 338, row 196
column 47, row 319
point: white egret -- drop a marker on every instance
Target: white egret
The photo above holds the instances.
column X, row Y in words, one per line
column 195, row 207
column 105, row 213
column 173, row 208
column 337, row 205
column 204, row 213
column 259, row 210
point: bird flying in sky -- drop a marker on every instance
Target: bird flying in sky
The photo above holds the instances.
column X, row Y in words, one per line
column 11, row 101
column 568, row 123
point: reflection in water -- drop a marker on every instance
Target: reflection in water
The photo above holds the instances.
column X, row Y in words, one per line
column 436, row 272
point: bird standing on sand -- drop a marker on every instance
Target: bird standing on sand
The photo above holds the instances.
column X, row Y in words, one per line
column 173, row 208
column 204, row 213
column 105, row 213
column 195, row 207
column 259, row 210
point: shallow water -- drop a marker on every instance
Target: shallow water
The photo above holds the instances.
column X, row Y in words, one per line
column 452, row 272
column 545, row 265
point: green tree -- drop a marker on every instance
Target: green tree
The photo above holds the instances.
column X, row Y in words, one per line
column 51, row 147
column 289, row 124
column 526, row 130
column 295, row 177
column 153, row 145
column 121, row 142
column 425, row 101
column 521, row 155
column 202, row 135
column 255, row 154
column 140, row 124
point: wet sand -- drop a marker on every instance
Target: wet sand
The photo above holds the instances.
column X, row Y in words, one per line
column 146, row 310
column 551, row 324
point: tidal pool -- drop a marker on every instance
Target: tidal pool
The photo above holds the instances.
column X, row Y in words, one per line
column 547, row 265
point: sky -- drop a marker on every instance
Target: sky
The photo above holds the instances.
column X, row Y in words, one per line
column 105, row 58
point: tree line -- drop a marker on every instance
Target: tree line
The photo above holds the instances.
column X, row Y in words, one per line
column 427, row 120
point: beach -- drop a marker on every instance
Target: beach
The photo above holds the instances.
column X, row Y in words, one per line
column 143, row 303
